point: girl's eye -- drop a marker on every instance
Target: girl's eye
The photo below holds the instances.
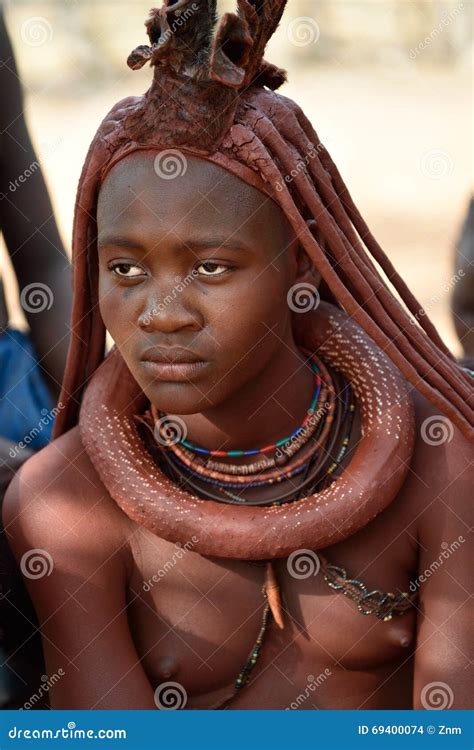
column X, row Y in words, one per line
column 209, row 268
column 126, row 270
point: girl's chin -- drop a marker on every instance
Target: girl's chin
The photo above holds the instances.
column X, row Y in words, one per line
column 177, row 398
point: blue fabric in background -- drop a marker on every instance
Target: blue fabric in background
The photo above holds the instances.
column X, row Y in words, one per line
column 25, row 402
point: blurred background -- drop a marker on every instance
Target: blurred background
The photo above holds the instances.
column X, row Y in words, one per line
column 386, row 83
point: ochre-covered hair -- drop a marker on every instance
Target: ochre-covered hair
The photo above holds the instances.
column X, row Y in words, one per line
column 214, row 95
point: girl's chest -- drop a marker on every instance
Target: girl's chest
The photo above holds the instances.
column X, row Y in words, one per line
column 195, row 621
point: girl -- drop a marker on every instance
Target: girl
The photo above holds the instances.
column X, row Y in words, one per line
column 258, row 499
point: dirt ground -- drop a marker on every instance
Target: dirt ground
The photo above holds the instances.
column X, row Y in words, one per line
column 401, row 139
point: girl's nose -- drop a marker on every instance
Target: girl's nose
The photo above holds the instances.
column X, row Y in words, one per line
column 169, row 311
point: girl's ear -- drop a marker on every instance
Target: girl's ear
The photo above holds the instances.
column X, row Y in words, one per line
column 305, row 270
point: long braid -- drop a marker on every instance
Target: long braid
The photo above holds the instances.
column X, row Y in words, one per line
column 363, row 230
column 436, row 359
column 373, row 286
column 343, row 213
column 87, row 344
column 252, row 150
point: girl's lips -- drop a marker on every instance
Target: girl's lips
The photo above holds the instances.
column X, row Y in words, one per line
column 178, row 372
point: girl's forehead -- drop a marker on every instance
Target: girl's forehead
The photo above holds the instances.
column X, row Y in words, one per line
column 172, row 171
column 170, row 186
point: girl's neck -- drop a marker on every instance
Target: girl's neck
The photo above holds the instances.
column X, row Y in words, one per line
column 268, row 408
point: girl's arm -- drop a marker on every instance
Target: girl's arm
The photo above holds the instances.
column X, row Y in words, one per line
column 75, row 567
column 443, row 659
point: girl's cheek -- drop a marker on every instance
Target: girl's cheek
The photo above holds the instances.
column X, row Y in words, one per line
column 120, row 311
column 109, row 306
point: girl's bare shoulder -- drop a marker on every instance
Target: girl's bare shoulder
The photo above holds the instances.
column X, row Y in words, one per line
column 61, row 469
column 57, row 494
column 441, row 473
column 442, row 451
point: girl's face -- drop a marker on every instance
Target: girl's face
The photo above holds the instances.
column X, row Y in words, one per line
column 194, row 273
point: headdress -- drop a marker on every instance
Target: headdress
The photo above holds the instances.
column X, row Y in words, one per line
column 215, row 96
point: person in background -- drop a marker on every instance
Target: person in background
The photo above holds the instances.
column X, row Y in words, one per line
column 31, row 364
column 462, row 302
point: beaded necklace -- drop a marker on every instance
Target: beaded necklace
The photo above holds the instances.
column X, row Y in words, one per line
column 242, row 473
column 315, row 366
column 282, row 456
column 315, row 458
